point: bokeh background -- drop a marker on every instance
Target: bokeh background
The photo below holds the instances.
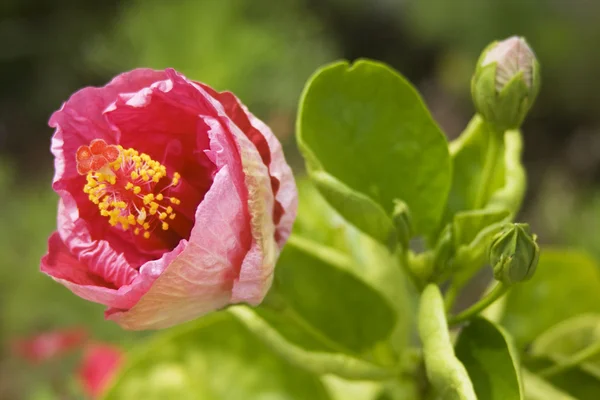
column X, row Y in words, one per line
column 264, row 50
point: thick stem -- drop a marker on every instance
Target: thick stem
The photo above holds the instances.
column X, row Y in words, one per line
column 498, row 291
column 575, row 360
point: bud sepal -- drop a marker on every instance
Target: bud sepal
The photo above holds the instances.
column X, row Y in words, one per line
column 506, row 83
column 514, row 254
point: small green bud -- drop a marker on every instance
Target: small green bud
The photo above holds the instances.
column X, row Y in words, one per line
column 443, row 254
column 506, row 83
column 514, row 254
column 402, row 222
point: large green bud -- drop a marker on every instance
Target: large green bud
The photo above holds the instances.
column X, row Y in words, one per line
column 514, row 254
column 506, row 83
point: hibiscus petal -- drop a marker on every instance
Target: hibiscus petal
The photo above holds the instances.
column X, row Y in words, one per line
column 159, row 121
column 287, row 195
column 61, row 266
column 199, row 280
column 80, row 118
column 100, row 256
column 256, row 272
column 282, row 179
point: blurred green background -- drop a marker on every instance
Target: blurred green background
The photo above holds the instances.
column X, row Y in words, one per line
column 264, row 50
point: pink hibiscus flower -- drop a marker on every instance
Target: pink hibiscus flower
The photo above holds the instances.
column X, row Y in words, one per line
column 98, row 367
column 46, row 346
column 174, row 199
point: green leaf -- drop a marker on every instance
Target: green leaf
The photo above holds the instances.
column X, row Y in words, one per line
column 487, row 354
column 566, row 284
column 569, row 337
column 322, row 289
column 317, row 220
column 367, row 259
column 364, row 213
column 510, row 195
column 286, row 337
column 365, row 125
column 468, row 224
column 446, row 373
column 468, row 154
column 576, row 382
column 472, row 245
column 216, row 358
column 537, row 388
column 322, row 315
column 463, row 246
column 503, row 189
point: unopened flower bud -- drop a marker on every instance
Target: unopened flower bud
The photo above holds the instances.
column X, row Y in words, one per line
column 514, row 254
column 402, row 222
column 443, row 254
column 505, row 83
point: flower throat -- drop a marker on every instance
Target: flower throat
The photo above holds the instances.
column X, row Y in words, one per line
column 129, row 188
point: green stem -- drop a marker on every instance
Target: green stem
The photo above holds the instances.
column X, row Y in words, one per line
column 575, row 360
column 494, row 150
column 451, row 295
column 498, row 291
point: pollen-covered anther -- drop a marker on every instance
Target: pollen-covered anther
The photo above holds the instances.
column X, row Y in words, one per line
column 127, row 187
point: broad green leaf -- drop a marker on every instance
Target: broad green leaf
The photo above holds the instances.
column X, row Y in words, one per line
column 365, row 257
column 303, row 347
column 576, row 382
column 473, row 232
column 469, row 153
column 487, row 354
column 462, row 247
column 216, row 358
column 566, row 284
column 321, row 315
column 470, row 257
column 569, row 337
column 365, row 125
column 317, row 220
column 536, row 388
column 510, row 196
column 445, row 372
column 322, row 289
column 468, row 224
column 504, row 188
column 364, row 213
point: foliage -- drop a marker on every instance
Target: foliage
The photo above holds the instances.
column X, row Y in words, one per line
column 352, row 290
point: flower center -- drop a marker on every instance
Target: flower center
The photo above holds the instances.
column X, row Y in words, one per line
column 129, row 188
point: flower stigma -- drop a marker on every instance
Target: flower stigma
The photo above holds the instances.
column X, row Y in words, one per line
column 128, row 187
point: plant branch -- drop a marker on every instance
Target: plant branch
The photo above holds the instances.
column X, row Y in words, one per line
column 575, row 360
column 451, row 295
column 498, row 291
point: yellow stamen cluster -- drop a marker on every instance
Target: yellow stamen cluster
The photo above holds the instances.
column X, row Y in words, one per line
column 124, row 192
